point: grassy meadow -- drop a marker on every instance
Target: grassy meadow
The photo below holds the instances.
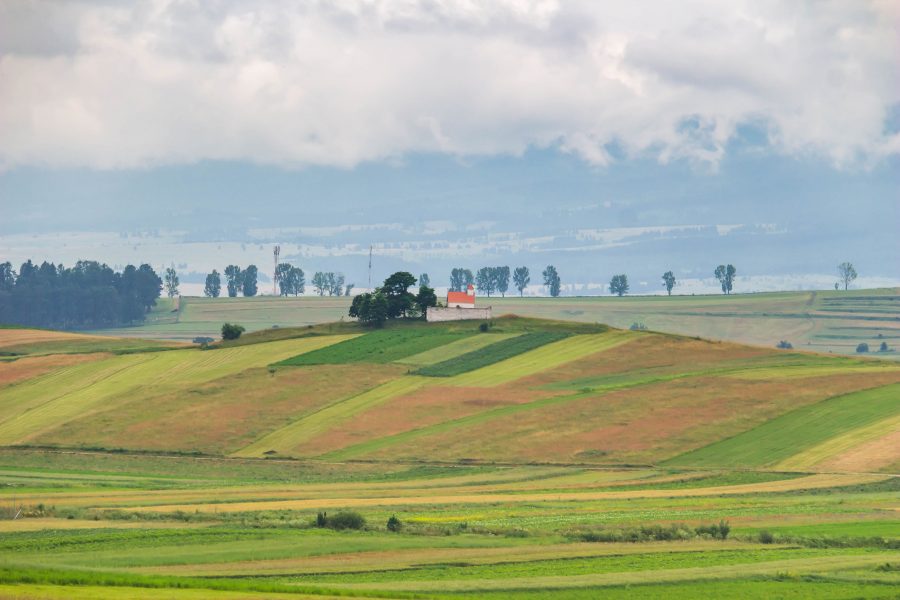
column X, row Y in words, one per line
column 537, row 459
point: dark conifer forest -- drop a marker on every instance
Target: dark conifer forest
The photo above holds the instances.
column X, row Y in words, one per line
column 86, row 296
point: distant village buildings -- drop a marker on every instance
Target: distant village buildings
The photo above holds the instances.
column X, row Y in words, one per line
column 460, row 307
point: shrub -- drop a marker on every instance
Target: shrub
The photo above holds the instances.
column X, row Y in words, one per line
column 718, row 531
column 883, row 347
column 321, row 519
column 231, row 331
column 651, row 533
column 345, row 520
column 637, row 326
column 784, row 345
column 203, row 340
column 765, row 537
column 864, row 347
column 483, row 327
column 394, row 524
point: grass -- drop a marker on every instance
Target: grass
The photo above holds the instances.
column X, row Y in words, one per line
column 491, row 354
column 543, row 358
column 865, row 448
column 380, row 347
column 796, row 431
column 457, row 348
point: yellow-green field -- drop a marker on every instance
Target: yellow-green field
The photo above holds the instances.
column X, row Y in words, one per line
column 599, row 463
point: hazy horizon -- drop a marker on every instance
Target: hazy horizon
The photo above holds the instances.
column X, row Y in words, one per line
column 602, row 140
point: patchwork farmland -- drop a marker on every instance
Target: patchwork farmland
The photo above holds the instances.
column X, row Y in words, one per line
column 822, row 321
column 545, row 458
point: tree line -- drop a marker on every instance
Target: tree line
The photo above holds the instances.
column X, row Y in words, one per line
column 290, row 280
column 89, row 295
column 491, row 280
column 488, row 280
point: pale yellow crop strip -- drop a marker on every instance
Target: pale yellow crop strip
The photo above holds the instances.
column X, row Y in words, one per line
column 555, row 480
column 287, row 438
column 540, row 359
column 799, row 372
column 839, row 444
column 802, row 483
column 418, row 557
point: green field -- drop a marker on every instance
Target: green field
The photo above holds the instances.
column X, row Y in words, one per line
column 383, row 346
column 798, row 430
column 821, row 321
column 488, row 355
column 542, row 459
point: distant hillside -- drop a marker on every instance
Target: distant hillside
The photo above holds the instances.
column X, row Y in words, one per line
column 825, row 321
column 526, row 391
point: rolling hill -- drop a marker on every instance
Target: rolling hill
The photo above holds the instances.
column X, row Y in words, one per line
column 822, row 321
column 527, row 391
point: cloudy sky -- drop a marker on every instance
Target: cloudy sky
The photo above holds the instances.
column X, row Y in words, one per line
column 604, row 137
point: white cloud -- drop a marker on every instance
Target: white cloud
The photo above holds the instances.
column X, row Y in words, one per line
column 111, row 85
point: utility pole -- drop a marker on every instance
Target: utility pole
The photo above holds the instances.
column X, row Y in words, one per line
column 277, row 252
column 370, row 268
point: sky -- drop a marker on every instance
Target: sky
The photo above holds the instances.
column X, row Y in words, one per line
column 603, row 138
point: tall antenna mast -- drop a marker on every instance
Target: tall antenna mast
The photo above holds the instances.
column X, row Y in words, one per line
column 370, row 267
column 276, row 252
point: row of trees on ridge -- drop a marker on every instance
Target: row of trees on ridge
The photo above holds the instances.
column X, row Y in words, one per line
column 489, row 280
